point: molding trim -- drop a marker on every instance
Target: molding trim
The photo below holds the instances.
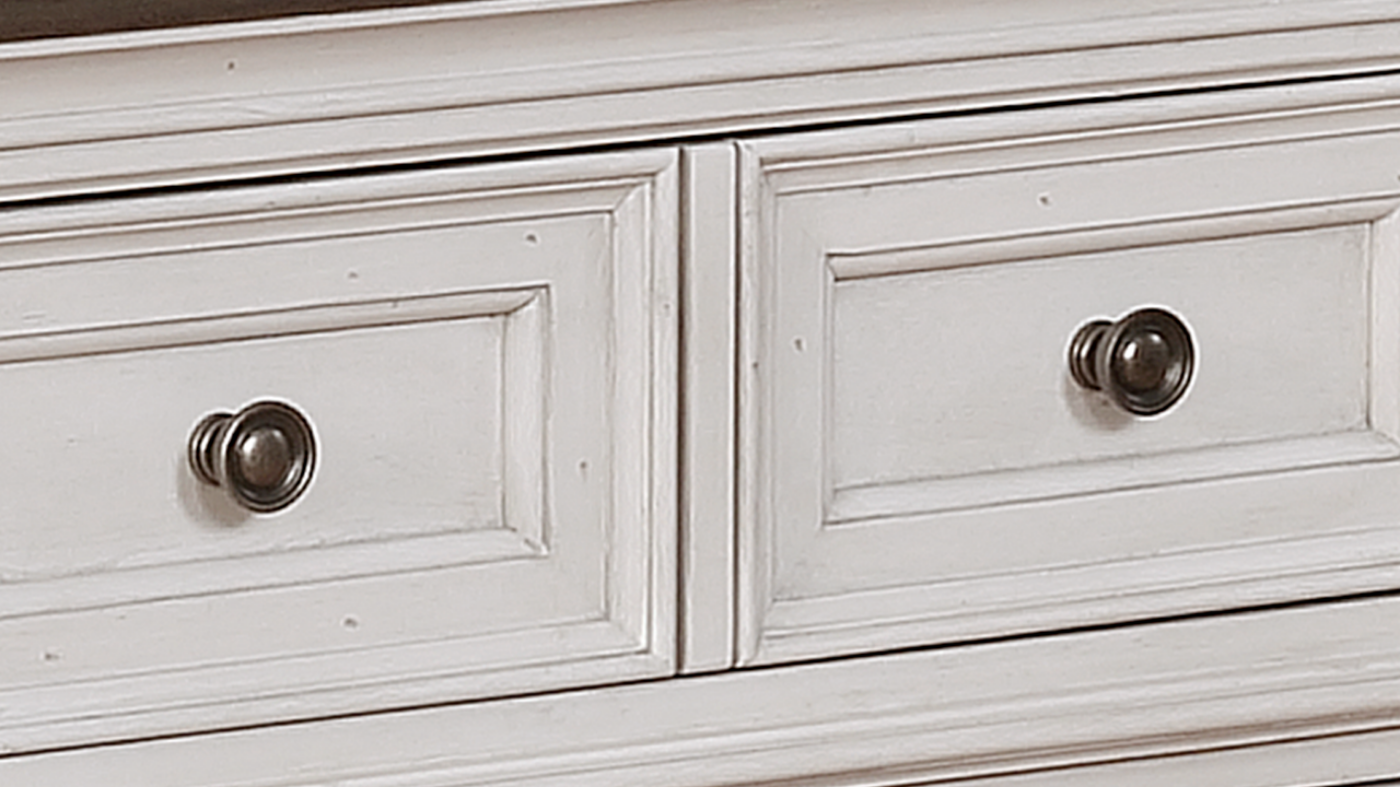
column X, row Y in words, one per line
column 385, row 16
column 982, row 710
column 399, row 86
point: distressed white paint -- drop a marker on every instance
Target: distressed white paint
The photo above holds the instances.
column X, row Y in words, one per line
column 488, row 356
column 509, row 323
column 924, row 469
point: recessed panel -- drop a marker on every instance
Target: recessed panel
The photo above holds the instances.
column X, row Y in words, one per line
column 430, row 467
column 953, row 373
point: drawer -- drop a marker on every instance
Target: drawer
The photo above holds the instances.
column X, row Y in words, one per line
column 919, row 462
column 484, row 359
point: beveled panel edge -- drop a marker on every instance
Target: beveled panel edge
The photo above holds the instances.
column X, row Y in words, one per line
column 957, row 609
column 646, row 331
column 920, row 498
column 525, row 360
column 138, row 336
column 1384, row 353
column 1036, row 245
column 280, row 568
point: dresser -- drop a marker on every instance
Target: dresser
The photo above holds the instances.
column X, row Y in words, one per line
column 638, row 392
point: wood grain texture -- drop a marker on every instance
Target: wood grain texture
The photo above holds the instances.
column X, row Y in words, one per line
column 921, row 466
column 481, row 78
column 489, row 356
column 1306, row 674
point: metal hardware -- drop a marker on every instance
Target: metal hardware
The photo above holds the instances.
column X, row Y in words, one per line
column 1143, row 361
column 263, row 456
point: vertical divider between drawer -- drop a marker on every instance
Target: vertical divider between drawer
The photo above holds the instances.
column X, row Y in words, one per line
column 708, row 237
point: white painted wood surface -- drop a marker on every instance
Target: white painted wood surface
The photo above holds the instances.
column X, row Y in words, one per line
column 710, row 284
column 494, row 76
column 1318, row 674
column 489, row 358
column 1361, row 760
column 922, row 468
column 582, row 347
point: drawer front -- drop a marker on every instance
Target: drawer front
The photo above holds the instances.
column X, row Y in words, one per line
column 921, row 462
column 485, row 358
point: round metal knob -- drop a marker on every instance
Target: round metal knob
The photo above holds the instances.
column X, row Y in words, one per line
column 1143, row 361
column 263, row 456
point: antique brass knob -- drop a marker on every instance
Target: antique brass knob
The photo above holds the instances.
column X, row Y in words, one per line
column 1143, row 362
column 263, row 456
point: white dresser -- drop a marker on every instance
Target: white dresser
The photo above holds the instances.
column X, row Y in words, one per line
column 641, row 392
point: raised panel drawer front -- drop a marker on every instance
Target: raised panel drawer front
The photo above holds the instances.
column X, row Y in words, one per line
column 919, row 464
column 486, row 357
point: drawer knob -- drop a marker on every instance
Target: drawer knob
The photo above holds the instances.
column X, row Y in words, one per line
column 263, row 456
column 1143, row 361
